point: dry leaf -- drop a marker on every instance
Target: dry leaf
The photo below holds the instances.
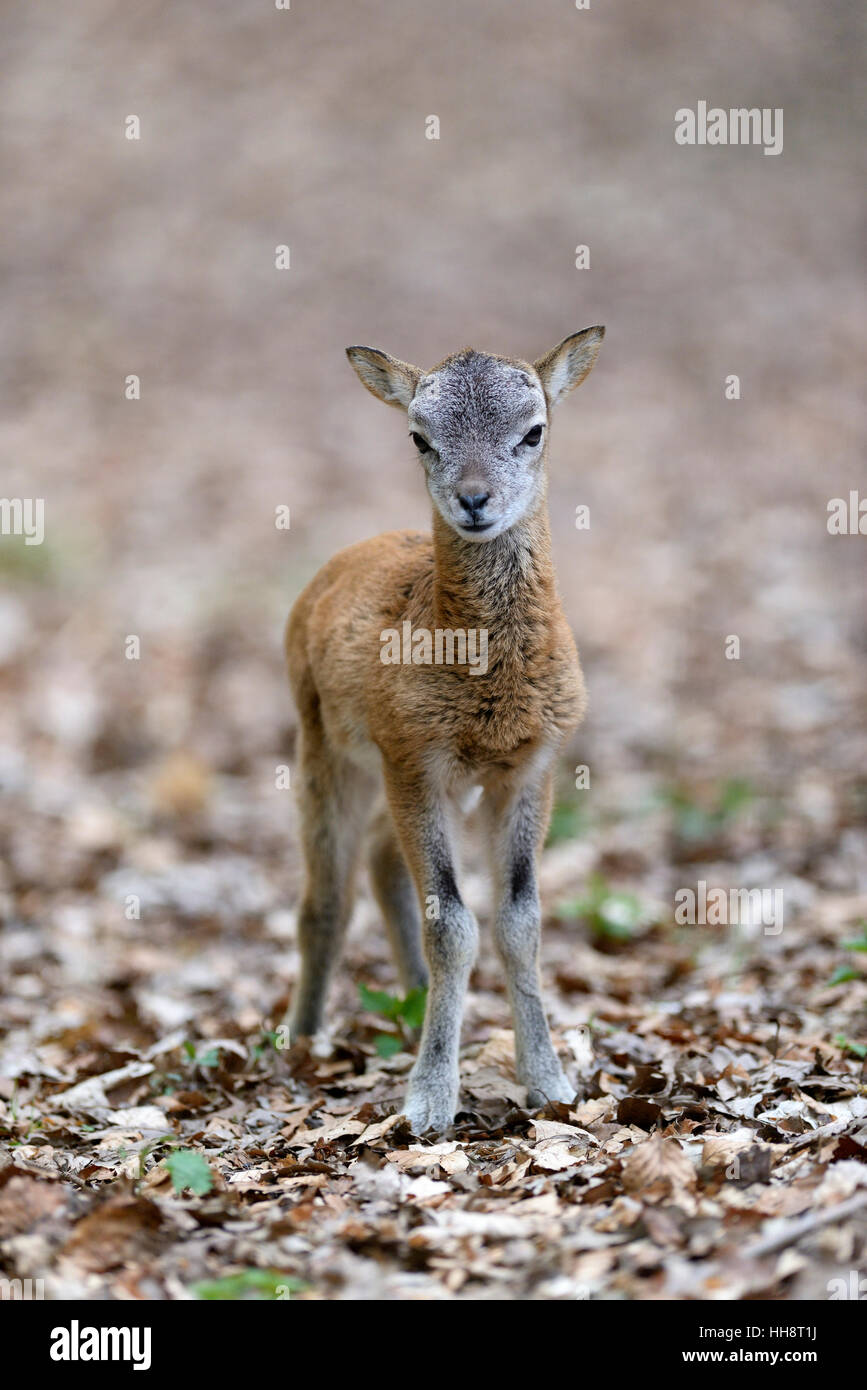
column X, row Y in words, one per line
column 658, row 1161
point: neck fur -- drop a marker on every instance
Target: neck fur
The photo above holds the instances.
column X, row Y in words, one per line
column 505, row 585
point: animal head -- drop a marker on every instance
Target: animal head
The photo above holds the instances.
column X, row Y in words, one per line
column 479, row 424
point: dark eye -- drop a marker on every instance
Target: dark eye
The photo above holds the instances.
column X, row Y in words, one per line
column 421, row 444
column 532, row 436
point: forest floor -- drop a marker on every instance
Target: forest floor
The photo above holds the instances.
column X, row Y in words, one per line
column 158, row 1141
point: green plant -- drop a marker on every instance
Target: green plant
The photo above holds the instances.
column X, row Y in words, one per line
column 858, row 943
column 843, row 974
column 847, row 972
column 188, row 1170
column 695, row 821
column 249, row 1284
column 406, row 1013
column 569, row 820
column 609, row 912
column 270, row 1039
column 209, row 1058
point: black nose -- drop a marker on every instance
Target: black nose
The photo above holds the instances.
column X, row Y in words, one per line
column 473, row 502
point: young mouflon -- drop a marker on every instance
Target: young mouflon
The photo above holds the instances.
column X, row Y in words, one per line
column 424, row 667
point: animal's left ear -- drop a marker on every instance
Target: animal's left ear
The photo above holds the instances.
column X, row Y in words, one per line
column 566, row 365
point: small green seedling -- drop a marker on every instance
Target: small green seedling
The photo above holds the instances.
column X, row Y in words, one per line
column 406, row 1013
column 189, row 1172
column 209, row 1058
column 695, row 822
column 609, row 912
column 249, row 1285
column 844, row 973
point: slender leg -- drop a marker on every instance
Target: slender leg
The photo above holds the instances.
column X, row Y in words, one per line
column 398, row 901
column 331, row 828
column 517, row 821
column 450, row 937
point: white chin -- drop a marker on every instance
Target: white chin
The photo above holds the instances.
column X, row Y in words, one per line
column 482, row 533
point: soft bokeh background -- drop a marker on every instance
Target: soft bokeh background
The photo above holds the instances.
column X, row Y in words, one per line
column 307, row 127
column 261, row 127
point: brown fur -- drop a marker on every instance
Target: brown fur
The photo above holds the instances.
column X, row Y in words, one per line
column 483, row 726
column 433, row 731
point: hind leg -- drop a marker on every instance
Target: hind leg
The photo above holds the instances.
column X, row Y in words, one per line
column 331, row 795
column 396, row 894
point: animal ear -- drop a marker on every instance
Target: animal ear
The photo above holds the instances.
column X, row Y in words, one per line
column 566, row 365
column 388, row 378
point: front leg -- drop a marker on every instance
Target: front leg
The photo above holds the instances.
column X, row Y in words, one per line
column 449, row 938
column 517, row 822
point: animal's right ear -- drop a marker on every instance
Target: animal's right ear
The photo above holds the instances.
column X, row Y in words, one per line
column 387, row 377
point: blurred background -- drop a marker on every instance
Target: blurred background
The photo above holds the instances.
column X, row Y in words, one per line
column 155, row 257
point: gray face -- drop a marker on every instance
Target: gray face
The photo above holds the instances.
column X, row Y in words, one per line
column 479, row 425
